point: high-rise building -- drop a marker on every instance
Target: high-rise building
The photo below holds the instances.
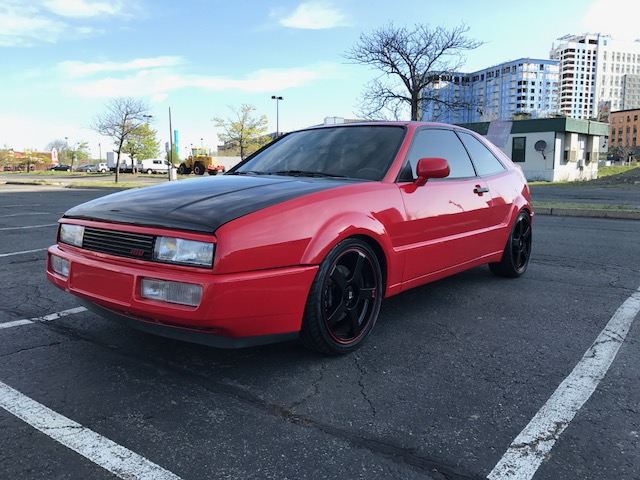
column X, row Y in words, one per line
column 596, row 73
column 521, row 88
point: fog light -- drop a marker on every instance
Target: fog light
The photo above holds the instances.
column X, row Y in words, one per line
column 172, row 292
column 60, row 266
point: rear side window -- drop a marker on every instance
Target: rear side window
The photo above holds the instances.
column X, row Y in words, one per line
column 484, row 160
column 445, row 144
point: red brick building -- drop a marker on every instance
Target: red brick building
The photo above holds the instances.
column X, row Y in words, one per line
column 623, row 133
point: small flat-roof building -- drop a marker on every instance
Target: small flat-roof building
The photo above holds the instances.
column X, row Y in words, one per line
column 550, row 149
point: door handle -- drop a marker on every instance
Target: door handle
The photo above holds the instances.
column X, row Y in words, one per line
column 480, row 190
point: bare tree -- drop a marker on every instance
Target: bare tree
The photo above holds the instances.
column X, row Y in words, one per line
column 411, row 62
column 124, row 116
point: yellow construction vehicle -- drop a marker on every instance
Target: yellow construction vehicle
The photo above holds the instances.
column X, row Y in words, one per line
column 200, row 162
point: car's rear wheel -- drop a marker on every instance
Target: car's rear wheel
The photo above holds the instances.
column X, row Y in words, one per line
column 515, row 257
column 344, row 299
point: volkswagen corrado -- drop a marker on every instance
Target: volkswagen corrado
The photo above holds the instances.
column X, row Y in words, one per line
column 303, row 239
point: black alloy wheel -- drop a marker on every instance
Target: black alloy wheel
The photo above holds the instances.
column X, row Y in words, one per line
column 517, row 253
column 344, row 299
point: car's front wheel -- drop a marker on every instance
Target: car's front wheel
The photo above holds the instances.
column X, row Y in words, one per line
column 344, row 299
column 515, row 257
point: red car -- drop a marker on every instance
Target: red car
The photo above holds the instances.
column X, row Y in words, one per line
column 301, row 240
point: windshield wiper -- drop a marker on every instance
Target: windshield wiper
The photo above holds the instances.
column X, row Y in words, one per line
column 306, row 173
column 248, row 172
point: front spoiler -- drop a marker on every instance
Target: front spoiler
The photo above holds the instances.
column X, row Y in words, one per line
column 187, row 335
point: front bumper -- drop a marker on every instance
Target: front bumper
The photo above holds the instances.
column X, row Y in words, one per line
column 236, row 310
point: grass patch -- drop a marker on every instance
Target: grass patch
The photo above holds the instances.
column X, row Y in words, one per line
column 614, row 170
column 581, row 206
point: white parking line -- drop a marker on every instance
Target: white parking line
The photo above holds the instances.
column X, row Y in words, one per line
column 100, row 450
column 22, row 252
column 46, row 318
column 25, row 214
column 28, row 227
column 529, row 449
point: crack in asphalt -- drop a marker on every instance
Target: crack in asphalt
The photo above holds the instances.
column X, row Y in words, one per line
column 316, row 389
column 28, row 349
column 363, row 373
column 437, row 468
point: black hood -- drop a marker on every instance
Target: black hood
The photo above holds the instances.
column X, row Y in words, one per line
column 199, row 204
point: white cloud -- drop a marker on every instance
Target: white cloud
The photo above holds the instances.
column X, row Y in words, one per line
column 81, row 69
column 604, row 17
column 84, row 8
column 48, row 21
column 24, row 25
column 157, row 82
column 315, row 16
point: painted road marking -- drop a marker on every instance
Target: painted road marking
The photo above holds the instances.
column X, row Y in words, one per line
column 529, row 449
column 46, row 318
column 27, row 227
column 100, row 450
column 25, row 214
column 22, row 252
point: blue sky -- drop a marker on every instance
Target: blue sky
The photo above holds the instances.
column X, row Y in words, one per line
column 62, row 60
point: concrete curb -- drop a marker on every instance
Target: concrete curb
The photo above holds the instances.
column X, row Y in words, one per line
column 590, row 213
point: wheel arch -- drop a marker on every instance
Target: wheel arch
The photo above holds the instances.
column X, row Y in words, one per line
column 368, row 230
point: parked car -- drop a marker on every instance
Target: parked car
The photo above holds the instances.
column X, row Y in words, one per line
column 155, row 165
column 93, row 167
column 61, row 168
column 303, row 239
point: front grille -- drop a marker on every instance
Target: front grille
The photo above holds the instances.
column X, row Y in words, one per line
column 120, row 244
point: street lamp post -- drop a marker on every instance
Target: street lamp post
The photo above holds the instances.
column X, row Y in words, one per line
column 148, row 117
column 277, row 98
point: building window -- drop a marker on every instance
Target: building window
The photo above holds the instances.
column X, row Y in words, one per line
column 517, row 149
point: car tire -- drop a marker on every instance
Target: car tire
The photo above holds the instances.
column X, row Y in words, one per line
column 516, row 254
column 344, row 299
column 149, row 171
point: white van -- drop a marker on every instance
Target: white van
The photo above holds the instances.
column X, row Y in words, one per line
column 154, row 165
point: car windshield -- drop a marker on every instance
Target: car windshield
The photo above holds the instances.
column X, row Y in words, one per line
column 363, row 152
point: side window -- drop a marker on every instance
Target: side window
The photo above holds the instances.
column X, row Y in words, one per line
column 442, row 144
column 483, row 159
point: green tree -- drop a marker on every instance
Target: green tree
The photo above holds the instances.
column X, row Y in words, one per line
column 142, row 143
column 411, row 62
column 78, row 154
column 124, row 116
column 6, row 156
column 245, row 132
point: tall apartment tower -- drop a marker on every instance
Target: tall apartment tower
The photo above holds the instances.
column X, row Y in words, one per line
column 525, row 87
column 597, row 74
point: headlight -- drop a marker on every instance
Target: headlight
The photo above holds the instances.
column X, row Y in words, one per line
column 184, row 252
column 71, row 234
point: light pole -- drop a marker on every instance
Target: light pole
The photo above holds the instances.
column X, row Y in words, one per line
column 100, row 150
column 66, row 148
column 277, row 98
column 148, row 117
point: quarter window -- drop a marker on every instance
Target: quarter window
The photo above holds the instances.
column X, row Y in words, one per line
column 429, row 143
column 483, row 159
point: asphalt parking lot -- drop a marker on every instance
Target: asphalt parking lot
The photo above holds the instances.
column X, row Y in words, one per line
column 449, row 386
